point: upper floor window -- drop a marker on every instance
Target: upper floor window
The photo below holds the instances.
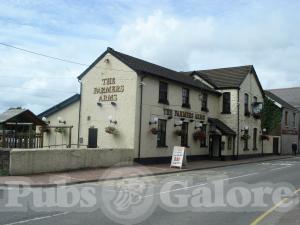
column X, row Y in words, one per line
column 185, row 97
column 286, row 118
column 226, row 102
column 204, row 102
column 254, row 99
column 163, row 93
column 246, row 105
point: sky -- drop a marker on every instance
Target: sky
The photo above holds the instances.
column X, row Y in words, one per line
column 181, row 35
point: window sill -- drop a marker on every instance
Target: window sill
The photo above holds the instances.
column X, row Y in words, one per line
column 165, row 102
column 162, row 146
column 188, row 106
column 204, row 110
column 225, row 112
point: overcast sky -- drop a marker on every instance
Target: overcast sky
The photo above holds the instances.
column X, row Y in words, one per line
column 181, row 35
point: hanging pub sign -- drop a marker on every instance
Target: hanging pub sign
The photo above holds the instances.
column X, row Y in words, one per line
column 178, row 157
column 109, row 90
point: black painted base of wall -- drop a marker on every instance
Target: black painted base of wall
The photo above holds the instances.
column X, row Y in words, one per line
column 161, row 160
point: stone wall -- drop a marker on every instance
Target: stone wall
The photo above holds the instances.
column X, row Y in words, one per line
column 33, row 161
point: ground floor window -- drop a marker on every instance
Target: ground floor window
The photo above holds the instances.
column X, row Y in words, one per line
column 161, row 134
column 246, row 139
column 203, row 140
column 229, row 143
column 185, row 132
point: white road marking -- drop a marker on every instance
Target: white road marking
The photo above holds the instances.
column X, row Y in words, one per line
column 37, row 218
column 280, row 168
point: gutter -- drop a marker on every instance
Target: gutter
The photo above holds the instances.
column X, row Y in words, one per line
column 140, row 120
column 79, row 114
column 238, row 125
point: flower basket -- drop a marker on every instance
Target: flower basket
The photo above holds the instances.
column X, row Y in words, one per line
column 111, row 130
column 60, row 130
column 199, row 135
column 154, row 130
column 179, row 132
column 264, row 137
column 245, row 137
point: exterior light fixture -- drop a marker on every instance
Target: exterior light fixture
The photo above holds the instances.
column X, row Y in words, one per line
column 111, row 120
column 45, row 120
column 99, row 104
column 198, row 125
column 246, row 128
column 106, row 60
column 153, row 121
column 264, row 130
column 178, row 123
column 113, row 103
column 61, row 120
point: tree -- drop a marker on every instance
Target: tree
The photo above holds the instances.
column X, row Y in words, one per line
column 271, row 115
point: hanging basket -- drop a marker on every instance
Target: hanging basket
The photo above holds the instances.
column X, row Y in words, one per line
column 111, row 130
column 154, row 131
column 245, row 137
column 264, row 137
column 199, row 135
column 179, row 132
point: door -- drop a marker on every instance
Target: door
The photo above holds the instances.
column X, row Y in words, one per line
column 92, row 140
column 215, row 146
column 276, row 145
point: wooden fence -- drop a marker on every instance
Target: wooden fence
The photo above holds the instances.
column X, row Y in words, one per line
column 22, row 141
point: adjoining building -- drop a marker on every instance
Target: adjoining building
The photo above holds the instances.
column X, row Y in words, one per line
column 126, row 102
column 18, row 129
column 289, row 100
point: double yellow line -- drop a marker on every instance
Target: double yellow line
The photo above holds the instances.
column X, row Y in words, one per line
column 268, row 212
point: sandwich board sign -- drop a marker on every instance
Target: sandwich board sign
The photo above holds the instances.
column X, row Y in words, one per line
column 178, row 157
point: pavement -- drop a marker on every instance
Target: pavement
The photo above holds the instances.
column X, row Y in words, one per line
column 166, row 199
column 101, row 174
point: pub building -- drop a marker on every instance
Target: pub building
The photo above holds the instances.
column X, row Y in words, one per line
column 128, row 103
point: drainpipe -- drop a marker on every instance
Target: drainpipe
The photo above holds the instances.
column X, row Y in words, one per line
column 238, row 126
column 140, row 120
column 79, row 114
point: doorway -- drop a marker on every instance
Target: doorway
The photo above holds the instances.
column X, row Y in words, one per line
column 215, row 146
column 276, row 145
column 92, row 140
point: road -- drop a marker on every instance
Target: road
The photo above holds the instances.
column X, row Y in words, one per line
column 196, row 197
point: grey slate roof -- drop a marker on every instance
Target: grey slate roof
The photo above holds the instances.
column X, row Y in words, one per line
column 279, row 100
column 60, row 106
column 290, row 95
column 231, row 77
column 20, row 115
column 144, row 67
column 221, row 126
column 10, row 113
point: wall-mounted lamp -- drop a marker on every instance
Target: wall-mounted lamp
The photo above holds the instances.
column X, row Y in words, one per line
column 99, row 104
column 170, row 117
column 45, row 120
column 264, row 130
column 61, row 120
column 198, row 125
column 106, row 60
column 111, row 120
column 153, row 121
column 191, row 121
column 178, row 123
column 246, row 128
column 113, row 103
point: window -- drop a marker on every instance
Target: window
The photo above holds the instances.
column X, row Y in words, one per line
column 254, row 99
column 286, row 118
column 246, row 141
column 294, row 120
column 184, row 136
column 161, row 134
column 163, row 93
column 203, row 141
column 226, row 103
column 185, row 97
column 229, row 143
column 246, row 105
column 204, row 102
column 255, row 139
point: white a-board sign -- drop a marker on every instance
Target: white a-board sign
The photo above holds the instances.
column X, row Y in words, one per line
column 178, row 157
